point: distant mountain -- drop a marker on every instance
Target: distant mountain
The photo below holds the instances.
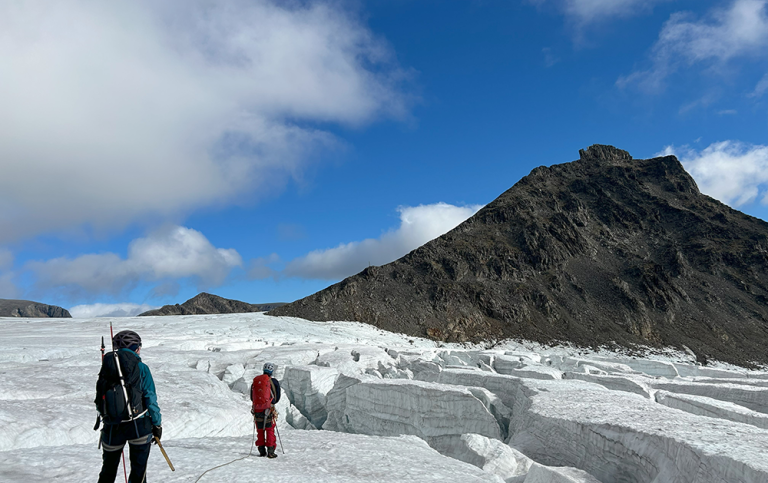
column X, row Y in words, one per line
column 27, row 308
column 205, row 303
column 605, row 250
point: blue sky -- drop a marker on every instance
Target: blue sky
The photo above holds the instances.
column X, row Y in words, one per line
column 264, row 150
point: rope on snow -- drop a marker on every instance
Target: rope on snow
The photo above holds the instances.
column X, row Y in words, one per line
column 253, row 438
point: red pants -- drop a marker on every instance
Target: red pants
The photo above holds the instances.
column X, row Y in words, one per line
column 270, row 430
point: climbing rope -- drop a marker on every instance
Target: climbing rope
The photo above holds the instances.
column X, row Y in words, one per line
column 253, row 438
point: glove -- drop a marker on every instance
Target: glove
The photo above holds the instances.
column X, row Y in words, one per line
column 157, row 432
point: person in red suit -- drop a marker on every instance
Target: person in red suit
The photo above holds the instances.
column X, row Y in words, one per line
column 265, row 393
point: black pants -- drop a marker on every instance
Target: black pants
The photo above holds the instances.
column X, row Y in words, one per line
column 113, row 439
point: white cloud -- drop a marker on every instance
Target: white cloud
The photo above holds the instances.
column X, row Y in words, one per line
column 179, row 252
column 738, row 31
column 108, row 310
column 169, row 253
column 761, row 88
column 730, row 171
column 702, row 102
column 584, row 12
column 6, row 258
column 8, row 289
column 263, row 267
column 587, row 11
column 166, row 289
column 550, row 58
column 115, row 111
column 418, row 225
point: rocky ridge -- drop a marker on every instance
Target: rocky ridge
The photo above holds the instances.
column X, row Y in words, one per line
column 603, row 251
column 27, row 308
column 205, row 303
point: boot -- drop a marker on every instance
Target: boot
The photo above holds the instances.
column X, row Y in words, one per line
column 262, row 451
column 271, row 452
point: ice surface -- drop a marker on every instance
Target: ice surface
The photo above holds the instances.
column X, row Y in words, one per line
column 532, row 357
column 720, row 380
column 692, row 370
column 503, row 365
column 232, row 373
column 504, row 386
column 634, row 385
column 353, row 378
column 423, row 370
column 713, row 408
column 618, row 436
column 491, row 455
column 752, row 397
column 390, row 407
column 307, row 387
column 650, row 367
column 608, row 367
column 622, row 437
column 356, row 359
column 311, row 456
column 553, row 474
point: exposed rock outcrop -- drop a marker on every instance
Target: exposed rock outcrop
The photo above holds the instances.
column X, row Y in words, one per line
column 205, row 303
column 605, row 250
column 27, row 308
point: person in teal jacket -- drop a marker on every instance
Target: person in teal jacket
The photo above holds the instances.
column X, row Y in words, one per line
column 136, row 421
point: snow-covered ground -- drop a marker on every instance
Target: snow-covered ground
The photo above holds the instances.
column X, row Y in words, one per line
column 389, row 407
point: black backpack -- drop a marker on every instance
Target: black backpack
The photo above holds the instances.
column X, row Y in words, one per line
column 110, row 399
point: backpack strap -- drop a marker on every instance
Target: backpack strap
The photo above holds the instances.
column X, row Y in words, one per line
column 272, row 385
column 133, row 418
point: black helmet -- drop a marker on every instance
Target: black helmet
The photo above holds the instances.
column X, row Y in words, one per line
column 125, row 339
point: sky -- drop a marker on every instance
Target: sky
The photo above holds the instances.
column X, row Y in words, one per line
column 264, row 150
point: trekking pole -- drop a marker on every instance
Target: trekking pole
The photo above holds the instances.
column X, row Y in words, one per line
column 98, row 416
column 279, row 438
column 162, row 450
column 117, row 362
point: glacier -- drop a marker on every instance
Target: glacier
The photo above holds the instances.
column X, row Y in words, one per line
column 361, row 404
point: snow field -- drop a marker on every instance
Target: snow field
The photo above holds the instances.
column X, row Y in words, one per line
column 514, row 413
column 311, row 456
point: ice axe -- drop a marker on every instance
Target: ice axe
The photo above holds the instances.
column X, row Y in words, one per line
column 98, row 416
column 117, row 363
column 165, row 455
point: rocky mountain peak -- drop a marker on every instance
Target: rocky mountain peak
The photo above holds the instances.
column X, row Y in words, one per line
column 206, row 303
column 603, row 251
column 28, row 308
column 603, row 153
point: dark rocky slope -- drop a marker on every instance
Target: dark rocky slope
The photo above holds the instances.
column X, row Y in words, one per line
column 605, row 250
column 27, row 308
column 205, row 303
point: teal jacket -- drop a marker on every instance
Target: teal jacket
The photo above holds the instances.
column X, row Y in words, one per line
column 150, row 395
